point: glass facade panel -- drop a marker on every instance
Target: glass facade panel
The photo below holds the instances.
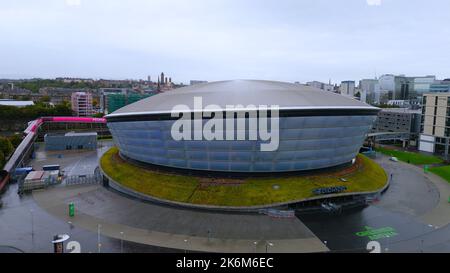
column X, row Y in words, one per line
column 305, row 143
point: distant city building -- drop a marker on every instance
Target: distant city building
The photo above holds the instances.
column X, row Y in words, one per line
column 75, row 80
column 321, row 85
column 104, row 92
column 371, row 89
column 442, row 86
column 402, row 87
column 398, row 103
column 82, row 104
column 435, row 123
column 422, row 84
column 57, row 94
column 403, row 121
column 117, row 101
column 194, row 82
column 15, row 103
column 347, row 88
column 387, row 86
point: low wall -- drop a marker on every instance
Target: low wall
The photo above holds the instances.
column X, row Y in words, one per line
column 120, row 188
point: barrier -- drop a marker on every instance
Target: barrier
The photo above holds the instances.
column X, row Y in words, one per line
column 278, row 213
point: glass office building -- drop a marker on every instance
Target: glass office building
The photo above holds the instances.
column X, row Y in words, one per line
column 317, row 129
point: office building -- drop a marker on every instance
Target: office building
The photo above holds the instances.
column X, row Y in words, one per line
column 82, row 104
column 435, row 124
column 347, row 88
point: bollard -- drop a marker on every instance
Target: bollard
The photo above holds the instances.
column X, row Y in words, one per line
column 71, row 210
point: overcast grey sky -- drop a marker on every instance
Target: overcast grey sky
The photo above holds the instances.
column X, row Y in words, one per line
column 287, row 40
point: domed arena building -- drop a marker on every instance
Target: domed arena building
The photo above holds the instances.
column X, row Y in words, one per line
column 309, row 128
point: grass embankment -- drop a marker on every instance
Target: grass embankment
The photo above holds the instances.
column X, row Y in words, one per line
column 443, row 172
column 364, row 176
column 411, row 157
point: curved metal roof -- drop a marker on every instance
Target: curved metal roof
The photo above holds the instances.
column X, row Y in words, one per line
column 287, row 96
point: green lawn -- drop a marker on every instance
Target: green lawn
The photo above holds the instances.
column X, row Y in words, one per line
column 443, row 172
column 369, row 176
column 413, row 158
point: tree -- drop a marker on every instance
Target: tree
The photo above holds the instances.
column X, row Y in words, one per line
column 15, row 140
column 2, row 159
column 5, row 146
column 45, row 99
column 98, row 115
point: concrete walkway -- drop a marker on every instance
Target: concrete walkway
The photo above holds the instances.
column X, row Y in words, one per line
column 440, row 215
column 298, row 237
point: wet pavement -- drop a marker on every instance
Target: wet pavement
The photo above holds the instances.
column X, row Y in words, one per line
column 28, row 228
column 24, row 226
column 409, row 196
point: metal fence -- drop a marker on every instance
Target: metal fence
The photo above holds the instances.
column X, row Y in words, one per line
column 275, row 213
column 94, row 178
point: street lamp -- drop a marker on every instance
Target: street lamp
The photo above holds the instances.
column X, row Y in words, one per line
column 32, row 230
column 255, row 244
column 121, row 242
column 387, row 246
column 186, row 242
column 267, row 246
column 99, row 245
column 70, row 227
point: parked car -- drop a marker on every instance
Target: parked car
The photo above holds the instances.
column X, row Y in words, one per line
column 393, row 159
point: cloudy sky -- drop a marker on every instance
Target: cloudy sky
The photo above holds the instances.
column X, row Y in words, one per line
column 287, row 40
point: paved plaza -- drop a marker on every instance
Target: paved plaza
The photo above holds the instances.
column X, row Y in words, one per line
column 415, row 206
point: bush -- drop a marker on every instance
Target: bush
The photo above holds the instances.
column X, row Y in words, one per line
column 15, row 140
column 6, row 146
column 34, row 111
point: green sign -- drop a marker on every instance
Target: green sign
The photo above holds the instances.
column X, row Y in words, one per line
column 374, row 234
column 425, row 168
column 71, row 210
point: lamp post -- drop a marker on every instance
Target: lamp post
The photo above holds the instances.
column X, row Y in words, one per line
column 255, row 244
column 70, row 227
column 99, row 245
column 121, row 242
column 186, row 242
column 387, row 246
column 267, row 246
column 32, row 230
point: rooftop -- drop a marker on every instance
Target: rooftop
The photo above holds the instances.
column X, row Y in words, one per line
column 243, row 92
column 16, row 103
column 401, row 110
column 72, row 134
